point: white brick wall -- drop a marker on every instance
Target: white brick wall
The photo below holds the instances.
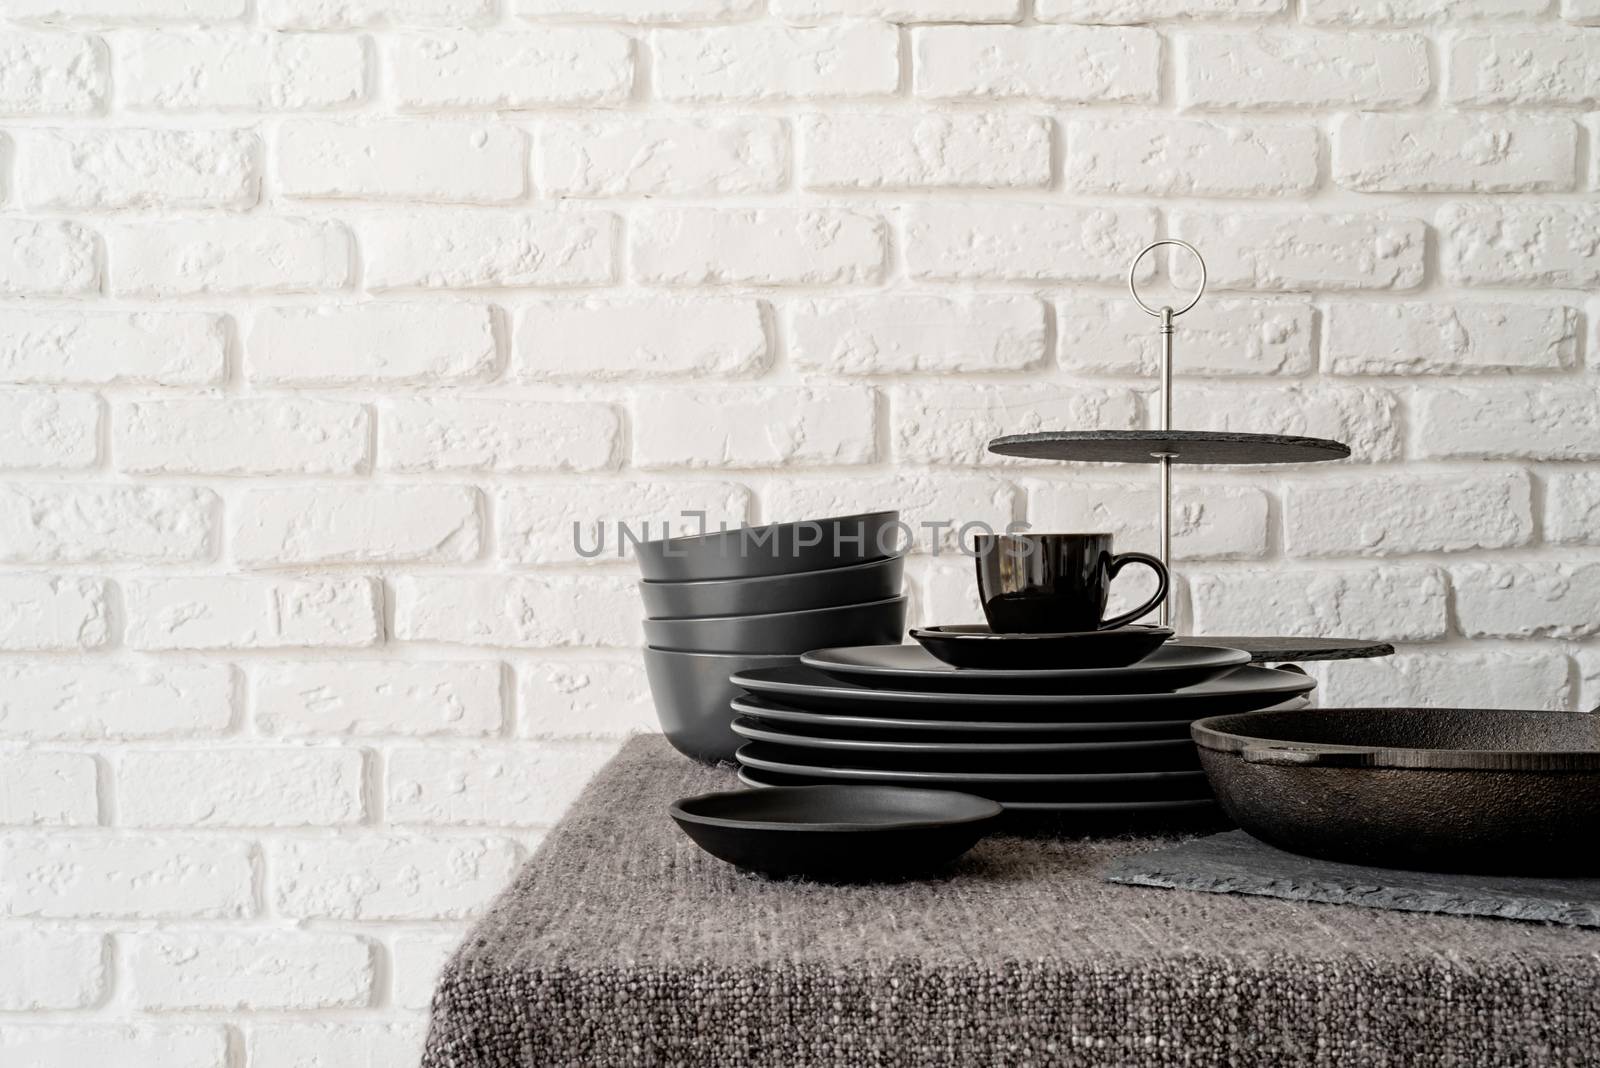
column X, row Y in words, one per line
column 130, row 876
column 322, row 321
column 631, row 157
column 109, row 170
column 463, row 163
column 183, row 969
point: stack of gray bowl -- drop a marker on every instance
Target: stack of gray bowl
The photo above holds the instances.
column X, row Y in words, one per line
column 759, row 597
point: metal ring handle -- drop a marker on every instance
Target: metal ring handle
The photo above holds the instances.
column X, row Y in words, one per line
column 1134, row 267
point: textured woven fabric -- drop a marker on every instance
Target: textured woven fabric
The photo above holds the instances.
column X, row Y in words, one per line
column 621, row 943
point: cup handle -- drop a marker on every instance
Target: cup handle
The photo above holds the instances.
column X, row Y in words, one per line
column 1160, row 595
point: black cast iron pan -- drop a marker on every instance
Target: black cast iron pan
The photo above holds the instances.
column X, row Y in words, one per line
column 1487, row 790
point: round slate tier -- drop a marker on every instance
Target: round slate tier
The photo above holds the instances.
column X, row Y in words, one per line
column 1265, row 650
column 1187, row 447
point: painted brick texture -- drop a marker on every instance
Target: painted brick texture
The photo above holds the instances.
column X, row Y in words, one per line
column 322, row 322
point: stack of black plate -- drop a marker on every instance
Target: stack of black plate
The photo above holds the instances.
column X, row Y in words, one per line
column 1103, row 741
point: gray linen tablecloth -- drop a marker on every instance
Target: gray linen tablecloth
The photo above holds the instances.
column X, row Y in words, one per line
column 621, row 943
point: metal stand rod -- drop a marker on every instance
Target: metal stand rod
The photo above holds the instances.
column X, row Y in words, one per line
column 1165, row 416
column 1165, row 612
column 1166, row 370
column 1164, row 405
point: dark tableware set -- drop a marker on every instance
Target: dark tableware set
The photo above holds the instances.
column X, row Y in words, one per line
column 1091, row 723
column 1051, row 708
column 877, row 760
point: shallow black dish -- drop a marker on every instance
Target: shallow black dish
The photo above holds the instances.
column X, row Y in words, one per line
column 974, row 645
column 782, row 632
column 853, row 724
column 875, row 580
column 913, row 667
column 836, row 833
column 1485, row 790
column 773, row 549
column 1117, row 752
column 1241, row 690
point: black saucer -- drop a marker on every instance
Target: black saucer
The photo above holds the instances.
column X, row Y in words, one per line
column 843, row 833
column 974, row 645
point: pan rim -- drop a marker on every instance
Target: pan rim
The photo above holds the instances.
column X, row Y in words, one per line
column 1220, row 734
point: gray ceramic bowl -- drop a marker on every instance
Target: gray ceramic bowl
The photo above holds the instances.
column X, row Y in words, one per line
column 875, row 580
column 774, row 549
column 873, row 623
column 693, row 696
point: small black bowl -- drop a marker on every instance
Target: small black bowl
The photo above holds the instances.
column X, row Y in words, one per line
column 976, row 646
column 774, row 549
column 875, row 580
column 844, row 833
column 692, row 692
column 873, row 623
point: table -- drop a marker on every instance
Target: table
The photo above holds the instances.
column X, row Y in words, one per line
column 620, row 943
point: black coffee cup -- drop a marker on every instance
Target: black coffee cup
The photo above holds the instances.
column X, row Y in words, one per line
column 1053, row 583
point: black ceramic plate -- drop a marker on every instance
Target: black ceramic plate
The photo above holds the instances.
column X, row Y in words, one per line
column 947, row 770
column 1190, row 786
column 913, row 667
column 974, row 645
column 1244, row 690
column 1156, row 752
column 845, row 725
column 836, row 833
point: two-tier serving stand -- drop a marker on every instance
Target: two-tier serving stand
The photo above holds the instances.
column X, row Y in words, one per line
column 1165, row 447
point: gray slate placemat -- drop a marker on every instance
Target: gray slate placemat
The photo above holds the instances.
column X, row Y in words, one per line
column 620, row 943
column 1235, row 863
